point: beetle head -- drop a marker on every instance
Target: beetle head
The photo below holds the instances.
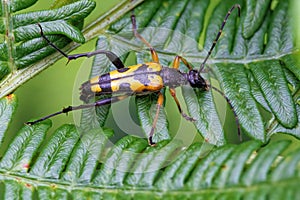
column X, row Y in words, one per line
column 196, row 80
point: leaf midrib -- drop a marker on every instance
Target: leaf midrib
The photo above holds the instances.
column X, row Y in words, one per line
column 68, row 186
column 196, row 58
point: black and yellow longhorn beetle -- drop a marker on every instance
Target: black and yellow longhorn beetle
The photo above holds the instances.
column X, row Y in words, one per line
column 140, row 79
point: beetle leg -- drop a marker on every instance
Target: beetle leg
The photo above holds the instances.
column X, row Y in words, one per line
column 83, row 106
column 177, row 62
column 160, row 101
column 172, row 90
column 136, row 34
column 173, row 93
column 110, row 55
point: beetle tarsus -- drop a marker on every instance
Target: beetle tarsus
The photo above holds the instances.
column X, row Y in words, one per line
column 150, row 141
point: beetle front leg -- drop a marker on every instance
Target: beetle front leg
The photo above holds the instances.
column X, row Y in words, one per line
column 177, row 60
column 173, row 93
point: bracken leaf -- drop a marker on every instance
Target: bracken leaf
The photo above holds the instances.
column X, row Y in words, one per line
column 74, row 164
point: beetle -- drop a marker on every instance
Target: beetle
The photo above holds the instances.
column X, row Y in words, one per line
column 140, row 79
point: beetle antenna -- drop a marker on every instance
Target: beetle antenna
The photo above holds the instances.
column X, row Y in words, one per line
column 231, row 107
column 219, row 33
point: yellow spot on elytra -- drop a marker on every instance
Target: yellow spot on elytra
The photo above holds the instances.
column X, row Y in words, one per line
column 96, row 88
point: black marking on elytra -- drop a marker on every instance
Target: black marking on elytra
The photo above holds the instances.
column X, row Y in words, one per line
column 105, row 87
column 125, row 87
column 121, row 70
column 105, row 83
column 104, row 78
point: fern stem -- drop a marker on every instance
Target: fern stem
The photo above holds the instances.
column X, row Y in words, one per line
column 9, row 36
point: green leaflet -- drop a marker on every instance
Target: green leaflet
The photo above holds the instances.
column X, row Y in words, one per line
column 21, row 151
column 8, row 106
column 234, row 165
column 293, row 82
column 278, row 128
column 257, row 93
column 84, row 158
column 58, row 149
column 254, row 16
column 21, row 49
column 44, row 192
column 203, row 172
column 69, row 13
column 291, row 62
column 147, row 168
column 119, row 161
column 287, row 167
column 255, row 45
column 21, row 4
column 60, row 3
column 260, row 167
column 61, row 27
column 280, row 33
column 273, row 84
column 233, row 79
column 16, row 191
column 148, row 9
column 175, row 175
